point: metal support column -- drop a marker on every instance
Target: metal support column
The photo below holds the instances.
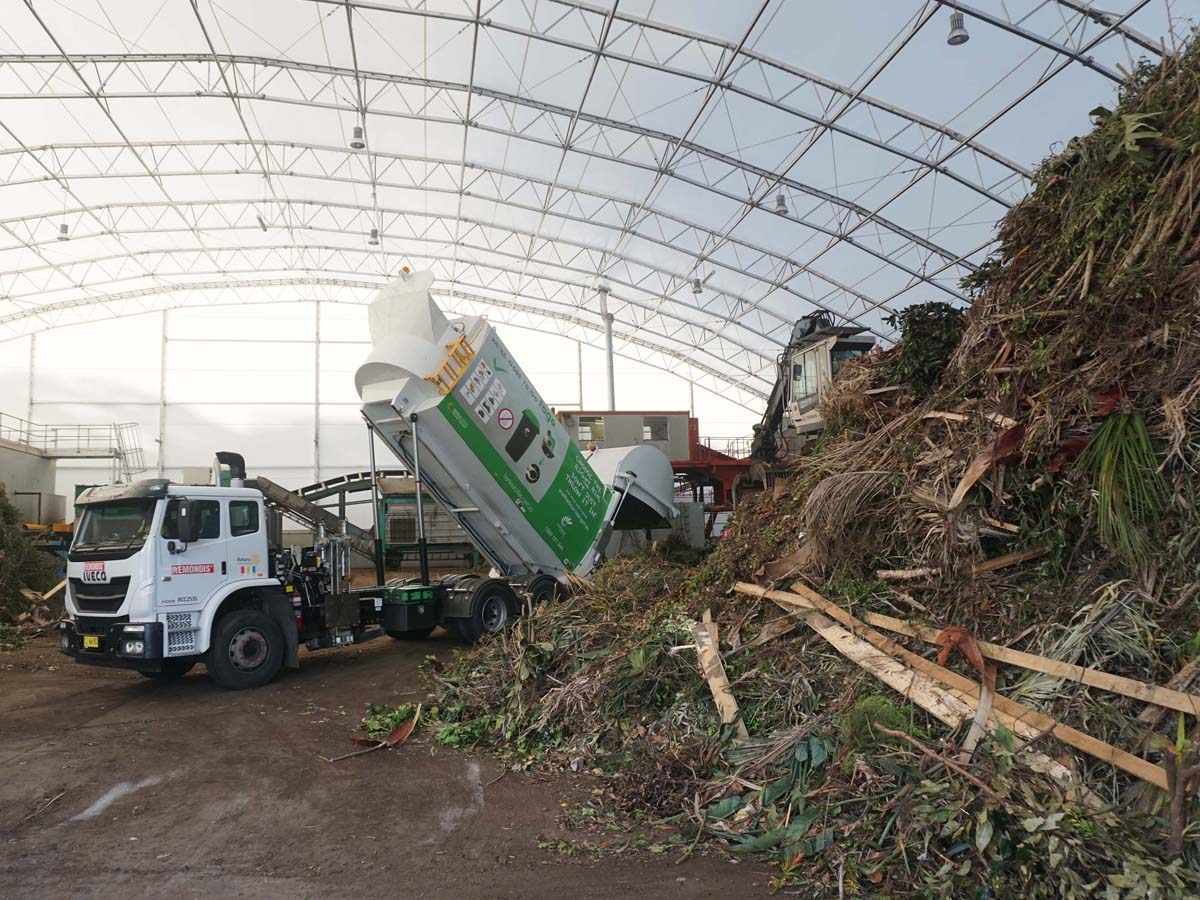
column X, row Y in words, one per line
column 579, row 369
column 162, row 399
column 32, row 360
column 422, row 549
column 317, row 396
column 608, row 361
column 602, row 292
column 691, row 398
column 377, row 529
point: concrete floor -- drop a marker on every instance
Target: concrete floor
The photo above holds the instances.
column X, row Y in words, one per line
column 185, row 790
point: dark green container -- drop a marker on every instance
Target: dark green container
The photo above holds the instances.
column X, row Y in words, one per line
column 409, row 607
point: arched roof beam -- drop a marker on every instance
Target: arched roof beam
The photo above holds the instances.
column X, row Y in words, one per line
column 678, row 279
column 625, row 332
column 1033, row 37
column 779, row 259
column 728, row 345
column 1125, row 30
column 1100, row 17
column 491, row 23
column 210, row 88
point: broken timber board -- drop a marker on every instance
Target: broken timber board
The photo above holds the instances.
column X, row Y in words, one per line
column 1008, row 559
column 933, row 698
column 913, row 686
column 718, row 681
column 1118, row 684
column 1015, row 716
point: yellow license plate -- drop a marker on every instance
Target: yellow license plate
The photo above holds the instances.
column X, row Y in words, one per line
column 91, row 642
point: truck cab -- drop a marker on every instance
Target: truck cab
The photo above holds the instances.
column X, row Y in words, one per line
column 157, row 573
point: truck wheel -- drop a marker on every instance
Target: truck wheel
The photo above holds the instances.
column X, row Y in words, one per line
column 416, row 634
column 545, row 588
column 172, row 670
column 246, row 650
column 491, row 608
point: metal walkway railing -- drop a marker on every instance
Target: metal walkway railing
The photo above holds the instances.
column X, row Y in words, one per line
column 119, row 441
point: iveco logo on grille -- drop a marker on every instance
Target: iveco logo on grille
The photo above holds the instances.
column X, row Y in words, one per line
column 193, row 569
column 93, row 573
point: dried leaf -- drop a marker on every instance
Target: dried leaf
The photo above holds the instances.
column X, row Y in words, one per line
column 1108, row 400
column 1068, row 451
column 1007, row 447
column 952, row 637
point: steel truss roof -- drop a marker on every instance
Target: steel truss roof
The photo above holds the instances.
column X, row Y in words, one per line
column 531, row 150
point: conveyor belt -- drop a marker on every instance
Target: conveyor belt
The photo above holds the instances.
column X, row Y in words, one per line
column 309, row 513
column 350, row 484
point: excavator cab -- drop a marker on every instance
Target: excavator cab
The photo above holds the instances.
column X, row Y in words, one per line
column 810, row 367
column 815, row 353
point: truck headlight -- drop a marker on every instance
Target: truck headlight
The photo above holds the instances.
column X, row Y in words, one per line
column 134, row 648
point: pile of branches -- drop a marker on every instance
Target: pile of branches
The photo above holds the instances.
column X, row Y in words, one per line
column 1035, row 487
column 25, row 572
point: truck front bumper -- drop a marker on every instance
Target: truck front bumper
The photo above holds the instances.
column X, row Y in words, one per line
column 122, row 645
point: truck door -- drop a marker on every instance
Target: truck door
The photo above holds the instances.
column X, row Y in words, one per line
column 189, row 577
column 246, row 549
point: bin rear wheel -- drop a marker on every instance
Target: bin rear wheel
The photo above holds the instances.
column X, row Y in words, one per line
column 492, row 605
column 545, row 588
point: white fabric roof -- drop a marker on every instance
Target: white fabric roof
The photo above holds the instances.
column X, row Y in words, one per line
column 789, row 155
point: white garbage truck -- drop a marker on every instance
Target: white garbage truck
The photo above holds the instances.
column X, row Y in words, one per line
column 161, row 576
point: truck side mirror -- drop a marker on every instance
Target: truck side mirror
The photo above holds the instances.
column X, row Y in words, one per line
column 186, row 524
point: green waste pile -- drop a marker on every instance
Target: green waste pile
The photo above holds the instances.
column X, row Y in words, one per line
column 1031, row 482
column 23, row 569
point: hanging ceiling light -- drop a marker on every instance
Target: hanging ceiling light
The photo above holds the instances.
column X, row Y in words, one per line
column 697, row 286
column 373, row 240
column 356, row 140
column 781, row 204
column 63, row 235
column 261, row 223
column 958, row 30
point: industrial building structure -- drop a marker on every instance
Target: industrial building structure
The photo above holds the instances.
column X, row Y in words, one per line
column 324, row 240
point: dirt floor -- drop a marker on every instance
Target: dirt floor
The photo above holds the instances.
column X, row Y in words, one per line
column 116, row 786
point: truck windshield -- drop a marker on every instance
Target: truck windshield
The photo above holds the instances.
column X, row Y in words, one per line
column 123, row 524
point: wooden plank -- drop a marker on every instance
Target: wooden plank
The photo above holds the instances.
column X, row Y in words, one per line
column 913, row 686
column 970, row 569
column 1008, row 559
column 1181, row 680
column 711, row 627
column 948, row 705
column 1007, row 711
column 718, row 681
column 1118, row 684
column 996, row 523
column 54, row 590
column 906, row 574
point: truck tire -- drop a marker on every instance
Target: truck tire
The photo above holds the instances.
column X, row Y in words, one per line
column 172, row 670
column 545, row 588
column 492, row 604
column 246, row 650
column 416, row 634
